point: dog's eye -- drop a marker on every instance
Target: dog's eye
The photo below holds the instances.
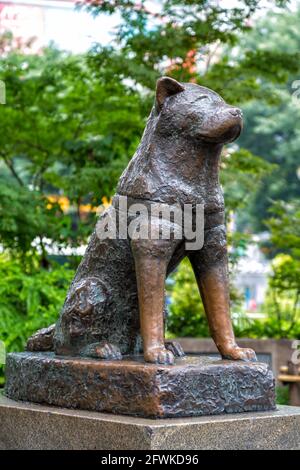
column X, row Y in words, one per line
column 203, row 97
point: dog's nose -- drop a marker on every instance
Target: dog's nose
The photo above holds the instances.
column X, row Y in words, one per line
column 236, row 112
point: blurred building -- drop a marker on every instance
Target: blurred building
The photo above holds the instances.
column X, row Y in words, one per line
column 28, row 20
column 251, row 277
column 55, row 21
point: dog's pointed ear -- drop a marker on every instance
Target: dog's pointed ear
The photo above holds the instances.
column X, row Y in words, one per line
column 166, row 87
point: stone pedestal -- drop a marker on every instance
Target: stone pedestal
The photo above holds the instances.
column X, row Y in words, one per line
column 30, row 426
column 194, row 386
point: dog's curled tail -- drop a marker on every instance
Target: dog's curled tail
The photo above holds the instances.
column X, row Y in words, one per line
column 42, row 340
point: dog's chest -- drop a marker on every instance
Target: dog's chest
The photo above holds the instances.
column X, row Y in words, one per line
column 188, row 180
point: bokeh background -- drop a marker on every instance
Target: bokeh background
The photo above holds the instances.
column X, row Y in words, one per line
column 79, row 80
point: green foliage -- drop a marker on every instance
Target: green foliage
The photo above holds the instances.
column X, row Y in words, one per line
column 65, row 132
column 279, row 322
column 285, row 227
column 282, row 304
column 186, row 313
column 282, row 395
column 29, row 300
column 273, row 132
column 187, row 316
column 24, row 217
column 177, row 35
column 241, row 171
column 72, row 122
column 283, row 301
column 212, row 45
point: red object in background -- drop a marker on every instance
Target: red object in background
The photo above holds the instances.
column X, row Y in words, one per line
column 190, row 61
column 252, row 305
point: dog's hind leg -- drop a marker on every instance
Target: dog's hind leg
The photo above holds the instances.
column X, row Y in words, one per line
column 80, row 328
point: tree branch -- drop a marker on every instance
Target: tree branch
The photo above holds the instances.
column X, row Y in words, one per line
column 10, row 166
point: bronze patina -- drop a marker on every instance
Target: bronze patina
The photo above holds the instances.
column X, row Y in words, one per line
column 118, row 290
column 107, row 351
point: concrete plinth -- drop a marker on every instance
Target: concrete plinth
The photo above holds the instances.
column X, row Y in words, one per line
column 28, row 426
column 194, row 386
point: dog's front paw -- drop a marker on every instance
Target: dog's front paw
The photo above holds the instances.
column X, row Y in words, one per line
column 239, row 354
column 159, row 355
column 175, row 348
column 102, row 350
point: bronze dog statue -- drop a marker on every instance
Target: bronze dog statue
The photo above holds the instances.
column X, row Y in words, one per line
column 117, row 295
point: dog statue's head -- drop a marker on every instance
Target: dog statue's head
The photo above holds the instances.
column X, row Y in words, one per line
column 196, row 112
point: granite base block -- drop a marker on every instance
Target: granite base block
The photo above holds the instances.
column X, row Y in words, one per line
column 194, row 386
column 37, row 427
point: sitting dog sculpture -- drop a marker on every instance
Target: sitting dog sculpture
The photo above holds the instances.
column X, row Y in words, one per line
column 117, row 296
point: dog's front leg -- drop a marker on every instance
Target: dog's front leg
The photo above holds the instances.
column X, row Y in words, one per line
column 210, row 266
column 151, row 261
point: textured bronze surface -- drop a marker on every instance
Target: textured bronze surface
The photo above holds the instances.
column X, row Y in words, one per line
column 194, row 386
column 117, row 294
column 42, row 340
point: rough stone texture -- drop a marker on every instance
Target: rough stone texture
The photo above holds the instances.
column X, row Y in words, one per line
column 275, row 352
column 29, row 426
column 195, row 386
